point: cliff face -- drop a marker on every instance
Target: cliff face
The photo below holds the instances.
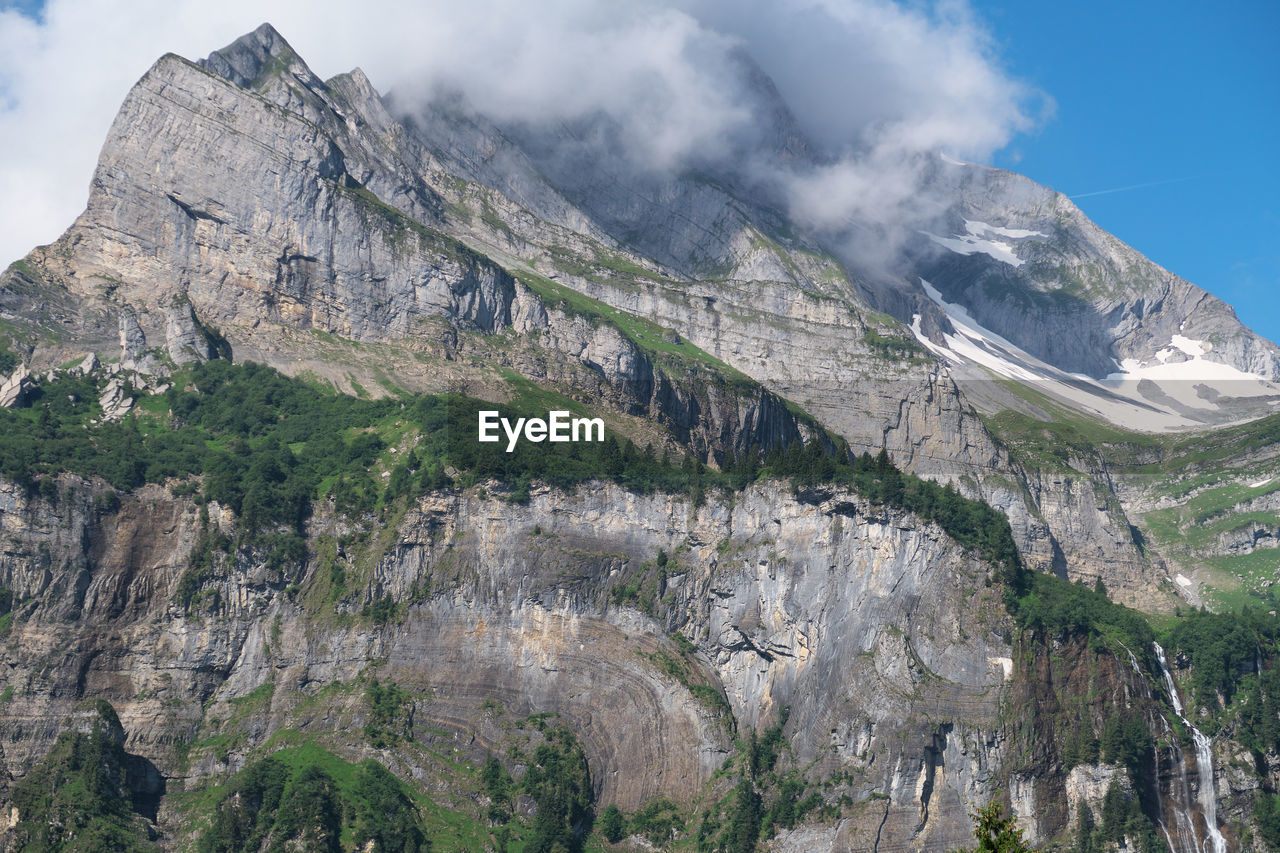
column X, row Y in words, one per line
column 282, row 209
column 307, row 245
column 878, row 634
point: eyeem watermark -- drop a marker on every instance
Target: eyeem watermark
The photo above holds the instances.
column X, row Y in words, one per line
column 558, row 427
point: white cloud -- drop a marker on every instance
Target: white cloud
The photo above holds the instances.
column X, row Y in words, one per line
column 862, row 72
column 874, row 82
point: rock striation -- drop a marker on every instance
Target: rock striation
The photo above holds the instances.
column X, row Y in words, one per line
column 288, row 204
column 862, row 622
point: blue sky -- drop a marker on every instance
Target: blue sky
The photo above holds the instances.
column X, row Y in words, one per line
column 1184, row 92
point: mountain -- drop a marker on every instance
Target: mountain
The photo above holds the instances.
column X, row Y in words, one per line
column 842, row 571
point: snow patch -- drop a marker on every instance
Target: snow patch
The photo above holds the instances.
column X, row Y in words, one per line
column 1261, row 483
column 1181, row 379
column 969, row 246
column 1182, row 580
column 930, row 345
column 975, row 227
column 1185, row 374
column 953, row 161
column 1195, row 349
column 977, row 241
column 974, row 343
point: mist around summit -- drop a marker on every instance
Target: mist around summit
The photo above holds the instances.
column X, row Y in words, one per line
column 870, row 84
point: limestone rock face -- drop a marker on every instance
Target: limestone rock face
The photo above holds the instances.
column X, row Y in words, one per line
column 92, row 721
column 851, row 617
column 133, row 341
column 15, row 387
column 1087, row 785
column 1249, row 538
column 183, row 340
column 288, row 207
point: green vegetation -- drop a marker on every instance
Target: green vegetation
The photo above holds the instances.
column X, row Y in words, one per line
column 738, row 822
column 499, row 785
column 971, row 523
column 602, row 263
column 558, row 781
column 1126, row 741
column 1266, row 814
column 6, row 610
column 1123, row 817
column 8, row 360
column 1190, row 450
column 555, row 777
column 267, row 446
column 996, row 832
column 77, row 797
column 612, row 825
column 683, row 670
column 1068, row 438
column 1061, row 609
column 1235, row 673
column 306, row 798
column 658, row 822
column 893, row 347
column 387, row 723
column 402, row 230
column 1204, row 480
column 1232, row 661
column 447, row 821
column 663, row 345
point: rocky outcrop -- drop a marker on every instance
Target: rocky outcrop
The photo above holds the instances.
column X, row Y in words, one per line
column 876, row 631
column 1249, row 538
column 133, row 341
column 1087, row 786
column 14, row 389
column 183, row 338
column 114, row 402
column 87, row 366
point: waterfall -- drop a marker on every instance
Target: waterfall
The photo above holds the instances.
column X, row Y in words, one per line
column 1215, row 842
column 1183, row 819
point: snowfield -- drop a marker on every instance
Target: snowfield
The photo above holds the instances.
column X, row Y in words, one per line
column 1175, row 391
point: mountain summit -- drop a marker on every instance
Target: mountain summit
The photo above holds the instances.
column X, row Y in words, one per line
column 854, row 558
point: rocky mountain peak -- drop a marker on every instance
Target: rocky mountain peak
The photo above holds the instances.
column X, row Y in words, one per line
column 255, row 56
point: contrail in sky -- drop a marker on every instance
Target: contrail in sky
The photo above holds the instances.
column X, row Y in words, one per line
column 1133, row 187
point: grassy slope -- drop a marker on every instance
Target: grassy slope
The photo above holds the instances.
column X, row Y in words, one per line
column 1199, row 479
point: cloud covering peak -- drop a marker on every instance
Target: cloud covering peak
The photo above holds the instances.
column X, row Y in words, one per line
column 871, row 83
